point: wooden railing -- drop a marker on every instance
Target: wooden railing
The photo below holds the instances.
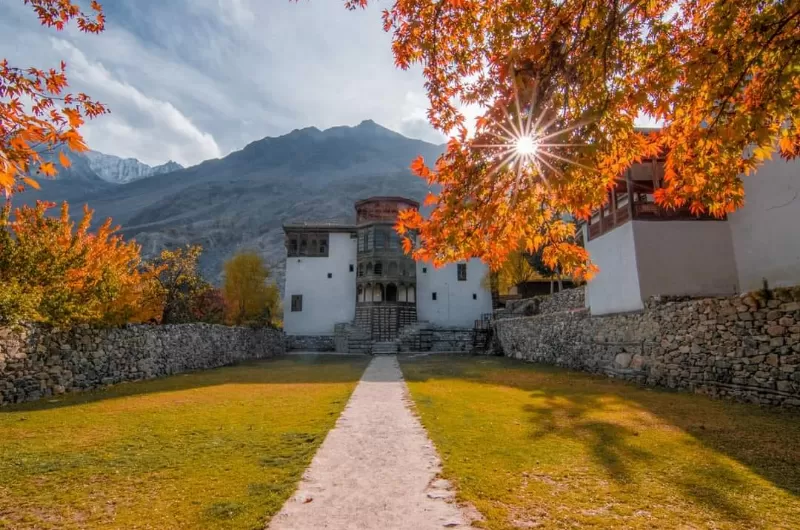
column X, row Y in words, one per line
column 641, row 211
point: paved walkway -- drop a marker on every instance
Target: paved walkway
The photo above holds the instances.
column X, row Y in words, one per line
column 376, row 470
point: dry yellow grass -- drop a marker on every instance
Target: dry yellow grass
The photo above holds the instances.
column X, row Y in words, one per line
column 217, row 449
column 538, row 447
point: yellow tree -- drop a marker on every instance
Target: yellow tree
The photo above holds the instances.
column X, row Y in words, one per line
column 37, row 115
column 248, row 296
column 561, row 82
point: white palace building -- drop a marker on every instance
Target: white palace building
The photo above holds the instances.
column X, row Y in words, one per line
column 339, row 273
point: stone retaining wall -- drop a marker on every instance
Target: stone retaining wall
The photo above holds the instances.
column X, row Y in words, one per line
column 746, row 348
column 552, row 303
column 37, row 361
column 310, row 343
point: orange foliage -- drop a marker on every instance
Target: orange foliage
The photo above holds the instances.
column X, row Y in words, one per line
column 65, row 272
column 36, row 115
column 723, row 77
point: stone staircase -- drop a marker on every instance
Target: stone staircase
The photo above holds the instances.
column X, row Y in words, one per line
column 384, row 348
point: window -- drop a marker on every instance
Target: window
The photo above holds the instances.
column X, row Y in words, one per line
column 378, row 268
column 433, row 296
column 330, row 275
column 380, row 239
column 361, row 269
column 424, row 270
column 297, row 302
column 394, row 240
column 352, row 267
column 369, row 240
column 308, row 244
column 474, row 296
column 462, row 272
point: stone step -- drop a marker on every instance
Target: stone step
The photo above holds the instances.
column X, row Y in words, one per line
column 384, row 348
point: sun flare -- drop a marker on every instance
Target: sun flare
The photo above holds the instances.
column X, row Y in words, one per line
column 526, row 145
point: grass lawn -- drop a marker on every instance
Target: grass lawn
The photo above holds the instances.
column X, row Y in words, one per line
column 217, row 449
column 534, row 446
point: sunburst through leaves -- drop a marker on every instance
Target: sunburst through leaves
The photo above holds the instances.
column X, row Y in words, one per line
column 526, row 142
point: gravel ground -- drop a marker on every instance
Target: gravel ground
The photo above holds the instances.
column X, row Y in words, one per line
column 377, row 469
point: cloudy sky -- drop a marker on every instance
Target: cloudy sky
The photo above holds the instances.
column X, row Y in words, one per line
column 190, row 80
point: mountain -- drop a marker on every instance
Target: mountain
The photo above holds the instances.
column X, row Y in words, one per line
column 241, row 201
column 122, row 170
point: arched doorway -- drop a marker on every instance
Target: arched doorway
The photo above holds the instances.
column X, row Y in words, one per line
column 391, row 293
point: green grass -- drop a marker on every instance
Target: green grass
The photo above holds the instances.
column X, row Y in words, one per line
column 217, row 449
column 533, row 446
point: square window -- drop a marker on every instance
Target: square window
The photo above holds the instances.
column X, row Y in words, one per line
column 351, row 267
column 424, row 270
column 330, row 275
column 462, row 272
column 433, row 296
column 474, row 296
column 297, row 302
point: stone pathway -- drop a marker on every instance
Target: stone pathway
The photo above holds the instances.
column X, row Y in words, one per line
column 377, row 469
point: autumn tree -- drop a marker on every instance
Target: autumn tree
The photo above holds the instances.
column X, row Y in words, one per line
column 37, row 115
column 250, row 299
column 560, row 84
column 177, row 283
column 55, row 270
column 516, row 269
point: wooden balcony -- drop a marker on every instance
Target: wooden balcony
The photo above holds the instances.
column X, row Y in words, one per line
column 633, row 198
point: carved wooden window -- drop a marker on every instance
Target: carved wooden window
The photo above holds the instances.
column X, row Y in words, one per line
column 297, row 302
column 462, row 272
column 308, row 244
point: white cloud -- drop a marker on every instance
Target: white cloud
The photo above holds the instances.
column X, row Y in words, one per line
column 188, row 144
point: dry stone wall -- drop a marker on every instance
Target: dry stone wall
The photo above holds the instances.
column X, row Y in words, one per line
column 746, row 348
column 310, row 343
column 560, row 301
column 37, row 362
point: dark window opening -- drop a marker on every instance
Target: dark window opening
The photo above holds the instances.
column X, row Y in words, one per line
column 378, row 268
column 474, row 296
column 462, row 272
column 352, row 267
column 433, row 296
column 293, row 247
column 424, row 270
column 391, row 293
column 297, row 302
column 330, row 275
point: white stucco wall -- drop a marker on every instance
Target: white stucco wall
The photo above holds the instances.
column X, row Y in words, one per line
column 692, row 258
column 766, row 230
column 615, row 288
column 454, row 305
column 326, row 301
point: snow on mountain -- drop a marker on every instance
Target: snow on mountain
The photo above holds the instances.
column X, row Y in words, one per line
column 123, row 170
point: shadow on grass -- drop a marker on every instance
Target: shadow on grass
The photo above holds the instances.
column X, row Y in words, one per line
column 610, row 418
column 283, row 370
